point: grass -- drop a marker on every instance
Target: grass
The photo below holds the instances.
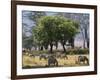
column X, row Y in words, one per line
column 30, row 62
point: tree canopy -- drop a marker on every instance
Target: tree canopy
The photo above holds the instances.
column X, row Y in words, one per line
column 53, row 29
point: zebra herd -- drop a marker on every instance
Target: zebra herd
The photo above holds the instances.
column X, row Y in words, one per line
column 52, row 59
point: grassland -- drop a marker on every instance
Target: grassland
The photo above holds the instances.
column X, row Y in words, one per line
column 35, row 62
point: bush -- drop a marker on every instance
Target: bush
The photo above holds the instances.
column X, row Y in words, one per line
column 39, row 52
column 77, row 51
column 69, row 51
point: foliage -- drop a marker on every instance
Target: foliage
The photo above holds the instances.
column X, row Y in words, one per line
column 83, row 20
column 52, row 29
column 77, row 51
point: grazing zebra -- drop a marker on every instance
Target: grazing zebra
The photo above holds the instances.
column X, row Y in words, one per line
column 43, row 57
column 83, row 59
column 62, row 56
column 52, row 61
column 32, row 55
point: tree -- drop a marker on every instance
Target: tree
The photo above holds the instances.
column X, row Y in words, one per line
column 53, row 29
column 71, row 40
column 83, row 20
column 67, row 30
column 45, row 31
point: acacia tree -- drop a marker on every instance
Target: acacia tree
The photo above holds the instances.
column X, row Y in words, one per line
column 53, row 29
column 67, row 31
column 83, row 20
column 45, row 31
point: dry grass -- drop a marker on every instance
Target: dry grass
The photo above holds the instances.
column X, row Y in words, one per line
column 30, row 62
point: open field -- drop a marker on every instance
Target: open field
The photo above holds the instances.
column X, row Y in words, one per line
column 35, row 62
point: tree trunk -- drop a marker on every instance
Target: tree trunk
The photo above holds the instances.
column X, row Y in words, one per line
column 51, row 48
column 46, row 47
column 87, row 43
column 64, row 47
column 72, row 42
column 84, row 44
column 83, row 35
column 41, row 48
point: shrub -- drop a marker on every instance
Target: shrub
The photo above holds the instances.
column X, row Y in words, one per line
column 77, row 51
